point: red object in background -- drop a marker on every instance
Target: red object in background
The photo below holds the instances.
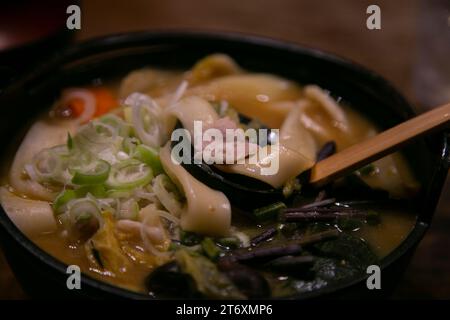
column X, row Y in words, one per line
column 25, row 22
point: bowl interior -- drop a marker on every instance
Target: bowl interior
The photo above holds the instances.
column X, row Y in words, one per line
column 113, row 57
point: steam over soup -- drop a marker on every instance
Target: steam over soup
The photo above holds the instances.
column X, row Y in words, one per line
column 96, row 182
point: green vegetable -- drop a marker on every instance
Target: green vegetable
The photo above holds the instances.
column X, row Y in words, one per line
column 129, row 144
column 229, row 242
column 83, row 208
column 119, row 193
column 211, row 249
column 62, row 198
column 208, row 279
column 149, row 156
column 95, row 173
column 97, row 190
column 189, row 238
column 353, row 250
column 69, row 141
column 116, row 122
column 129, row 174
column 269, row 212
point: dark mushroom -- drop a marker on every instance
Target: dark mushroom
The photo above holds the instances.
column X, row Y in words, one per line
column 170, row 282
column 250, row 282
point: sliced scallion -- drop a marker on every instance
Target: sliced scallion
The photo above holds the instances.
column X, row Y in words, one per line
column 92, row 174
column 129, row 174
column 149, row 156
column 210, row 249
column 269, row 212
column 62, row 199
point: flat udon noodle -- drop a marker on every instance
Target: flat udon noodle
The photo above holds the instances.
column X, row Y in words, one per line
column 211, row 67
column 33, row 217
column 157, row 83
column 207, row 211
column 295, row 136
column 292, row 162
column 253, row 95
column 43, row 134
column 317, row 94
column 188, row 110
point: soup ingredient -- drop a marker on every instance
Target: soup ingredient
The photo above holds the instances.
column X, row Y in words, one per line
column 317, row 94
column 43, row 134
column 250, row 282
column 150, row 157
column 33, row 217
column 84, row 104
column 295, row 136
column 362, row 256
column 268, row 212
column 266, row 235
column 206, row 211
column 211, row 67
column 323, row 214
column 169, row 281
column 265, row 253
column 95, row 173
column 147, row 119
column 328, row 149
column 209, row 280
column 104, row 251
column 253, row 95
column 129, row 174
column 211, row 250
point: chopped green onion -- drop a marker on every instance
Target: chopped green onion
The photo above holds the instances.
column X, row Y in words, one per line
column 49, row 165
column 210, row 249
column 82, row 209
column 95, row 173
column 119, row 193
column 129, row 174
column 114, row 121
column 189, row 238
column 168, row 194
column 269, row 212
column 97, row 190
column 95, row 135
column 149, row 156
column 129, row 144
column 229, row 242
column 62, row 199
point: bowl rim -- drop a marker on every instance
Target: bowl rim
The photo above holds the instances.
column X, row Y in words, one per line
column 128, row 39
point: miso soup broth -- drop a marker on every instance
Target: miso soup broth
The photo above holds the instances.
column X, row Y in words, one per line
column 94, row 183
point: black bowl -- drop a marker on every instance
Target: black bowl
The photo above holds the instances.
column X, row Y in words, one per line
column 41, row 275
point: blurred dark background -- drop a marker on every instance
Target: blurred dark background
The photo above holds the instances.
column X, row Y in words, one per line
column 411, row 50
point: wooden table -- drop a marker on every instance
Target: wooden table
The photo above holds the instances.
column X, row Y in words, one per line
column 335, row 26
